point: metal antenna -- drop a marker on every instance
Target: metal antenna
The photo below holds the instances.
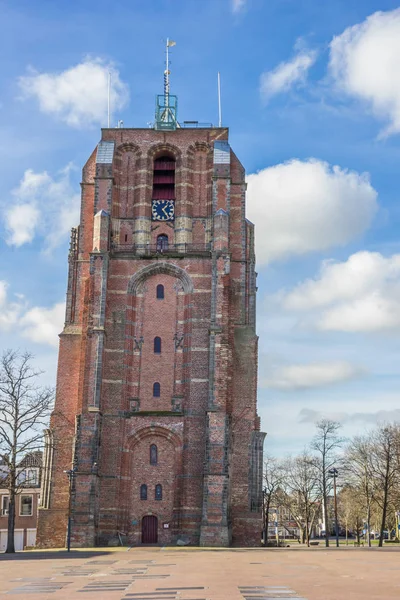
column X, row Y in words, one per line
column 108, row 99
column 166, row 104
column 219, row 101
column 166, row 74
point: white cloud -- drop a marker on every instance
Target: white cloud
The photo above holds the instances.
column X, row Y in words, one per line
column 364, row 61
column 9, row 310
column 316, row 374
column 78, row 95
column 21, row 221
column 39, row 324
column 238, row 5
column 361, row 294
column 306, row 206
column 42, row 325
column 287, row 74
column 42, row 205
column 307, row 415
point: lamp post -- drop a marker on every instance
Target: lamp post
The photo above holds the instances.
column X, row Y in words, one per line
column 70, row 474
column 265, row 517
column 277, row 526
column 334, row 473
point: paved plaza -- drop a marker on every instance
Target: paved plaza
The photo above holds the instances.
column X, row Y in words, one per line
column 203, row 574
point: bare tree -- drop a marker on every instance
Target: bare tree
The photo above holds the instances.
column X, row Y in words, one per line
column 24, row 410
column 385, row 464
column 351, row 510
column 325, row 443
column 274, row 476
column 302, row 493
column 361, row 475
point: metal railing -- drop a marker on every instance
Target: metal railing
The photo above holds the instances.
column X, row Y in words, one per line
column 150, row 250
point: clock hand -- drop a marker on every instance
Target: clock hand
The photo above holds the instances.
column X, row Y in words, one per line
column 164, row 211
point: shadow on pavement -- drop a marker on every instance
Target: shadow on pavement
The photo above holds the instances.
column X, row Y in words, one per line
column 55, row 554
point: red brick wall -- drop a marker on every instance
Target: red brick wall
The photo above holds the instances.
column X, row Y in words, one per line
column 158, row 319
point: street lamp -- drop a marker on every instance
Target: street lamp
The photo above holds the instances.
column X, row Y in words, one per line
column 334, row 473
column 70, row 474
column 265, row 517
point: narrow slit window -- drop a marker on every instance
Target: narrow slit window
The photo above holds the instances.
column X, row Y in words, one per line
column 156, row 390
column 143, row 491
column 153, row 454
column 160, row 291
column 158, row 492
column 157, row 345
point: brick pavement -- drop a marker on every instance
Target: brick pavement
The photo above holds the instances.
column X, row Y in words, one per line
column 156, row 573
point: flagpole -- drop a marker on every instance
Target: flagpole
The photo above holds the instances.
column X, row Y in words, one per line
column 219, row 101
column 108, row 99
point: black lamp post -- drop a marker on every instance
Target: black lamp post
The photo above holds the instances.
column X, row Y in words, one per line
column 334, row 473
column 265, row 518
column 70, row 474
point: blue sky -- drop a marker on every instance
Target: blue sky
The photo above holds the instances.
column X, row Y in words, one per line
column 311, row 93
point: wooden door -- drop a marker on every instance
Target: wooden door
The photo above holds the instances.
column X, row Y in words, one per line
column 149, row 530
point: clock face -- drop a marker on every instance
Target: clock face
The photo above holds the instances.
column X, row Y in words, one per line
column 163, row 210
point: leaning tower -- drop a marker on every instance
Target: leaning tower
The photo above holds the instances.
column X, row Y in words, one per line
column 155, row 417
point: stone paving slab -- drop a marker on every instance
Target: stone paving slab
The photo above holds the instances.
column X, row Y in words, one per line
column 202, row 574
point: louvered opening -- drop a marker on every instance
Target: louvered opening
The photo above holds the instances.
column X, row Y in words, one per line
column 164, row 178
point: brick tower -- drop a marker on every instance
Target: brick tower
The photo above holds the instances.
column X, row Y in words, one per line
column 155, row 414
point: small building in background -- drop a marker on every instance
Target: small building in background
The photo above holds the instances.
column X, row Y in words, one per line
column 27, row 502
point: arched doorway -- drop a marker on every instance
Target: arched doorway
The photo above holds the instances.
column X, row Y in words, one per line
column 149, row 529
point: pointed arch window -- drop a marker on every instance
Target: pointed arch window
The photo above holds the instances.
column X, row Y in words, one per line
column 158, row 492
column 157, row 345
column 160, row 292
column 156, row 390
column 143, row 491
column 153, row 454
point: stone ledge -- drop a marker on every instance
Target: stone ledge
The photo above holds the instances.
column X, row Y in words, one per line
column 152, row 413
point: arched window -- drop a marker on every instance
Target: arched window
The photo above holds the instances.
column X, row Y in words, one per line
column 158, row 492
column 162, row 242
column 143, row 491
column 157, row 345
column 156, row 390
column 160, row 291
column 153, row 454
